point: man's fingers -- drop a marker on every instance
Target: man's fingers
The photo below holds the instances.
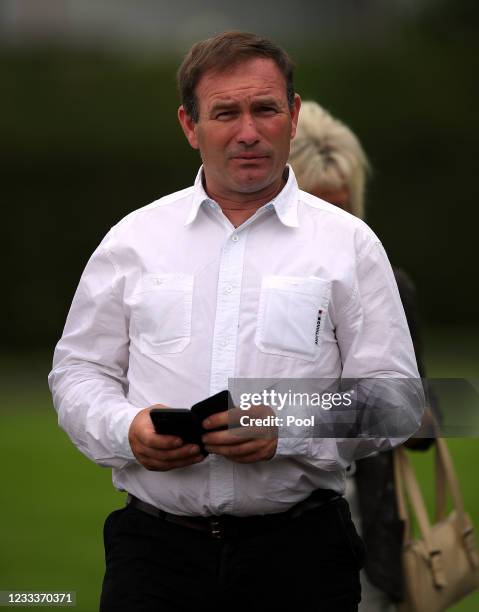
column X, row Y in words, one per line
column 219, row 419
column 166, row 460
column 166, row 466
column 227, row 418
column 225, row 437
column 239, row 435
column 184, row 452
column 159, row 442
column 254, row 423
column 265, row 452
column 142, row 433
column 244, row 444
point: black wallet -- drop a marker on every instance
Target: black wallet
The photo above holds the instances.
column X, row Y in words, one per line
column 187, row 423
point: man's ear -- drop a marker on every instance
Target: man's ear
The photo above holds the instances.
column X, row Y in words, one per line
column 189, row 127
column 295, row 114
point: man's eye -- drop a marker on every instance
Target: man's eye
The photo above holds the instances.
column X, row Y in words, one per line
column 267, row 110
column 224, row 114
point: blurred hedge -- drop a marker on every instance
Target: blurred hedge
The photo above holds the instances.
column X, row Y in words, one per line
column 86, row 138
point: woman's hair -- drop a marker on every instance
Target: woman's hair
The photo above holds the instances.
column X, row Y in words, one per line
column 326, row 154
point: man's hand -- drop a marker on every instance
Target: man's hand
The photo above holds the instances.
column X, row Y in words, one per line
column 243, row 444
column 159, row 452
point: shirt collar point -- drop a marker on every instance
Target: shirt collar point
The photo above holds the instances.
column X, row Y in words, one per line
column 199, row 196
column 286, row 202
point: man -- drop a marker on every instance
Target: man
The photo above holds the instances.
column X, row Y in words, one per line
column 225, row 280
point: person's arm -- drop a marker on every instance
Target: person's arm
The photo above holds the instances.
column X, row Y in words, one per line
column 424, row 438
column 376, row 350
column 89, row 378
column 407, row 294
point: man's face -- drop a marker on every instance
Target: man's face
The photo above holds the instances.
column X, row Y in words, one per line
column 244, row 127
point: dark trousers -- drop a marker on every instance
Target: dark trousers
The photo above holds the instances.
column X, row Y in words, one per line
column 310, row 563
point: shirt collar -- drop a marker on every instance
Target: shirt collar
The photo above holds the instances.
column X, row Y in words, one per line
column 199, row 197
column 285, row 203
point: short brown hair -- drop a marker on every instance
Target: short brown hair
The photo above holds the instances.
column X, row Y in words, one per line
column 221, row 52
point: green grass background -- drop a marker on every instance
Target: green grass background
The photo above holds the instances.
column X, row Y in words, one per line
column 53, row 501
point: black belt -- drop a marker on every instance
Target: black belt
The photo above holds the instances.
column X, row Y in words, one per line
column 226, row 524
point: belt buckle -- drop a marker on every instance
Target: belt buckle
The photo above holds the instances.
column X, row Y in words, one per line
column 216, row 528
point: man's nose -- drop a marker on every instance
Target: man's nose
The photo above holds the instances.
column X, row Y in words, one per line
column 247, row 131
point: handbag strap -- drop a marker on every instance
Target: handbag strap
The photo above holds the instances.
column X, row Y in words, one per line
column 415, row 497
column 446, row 474
column 416, row 500
column 407, row 485
column 440, row 487
column 446, row 477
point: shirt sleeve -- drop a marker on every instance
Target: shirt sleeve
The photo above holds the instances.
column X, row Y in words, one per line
column 377, row 353
column 88, row 380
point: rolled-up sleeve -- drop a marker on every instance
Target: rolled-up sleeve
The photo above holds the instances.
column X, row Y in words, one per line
column 88, row 380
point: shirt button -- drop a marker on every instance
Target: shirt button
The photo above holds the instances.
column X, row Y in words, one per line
column 235, row 238
column 225, row 342
column 229, row 289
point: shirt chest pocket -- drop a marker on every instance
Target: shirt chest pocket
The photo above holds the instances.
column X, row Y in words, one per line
column 291, row 316
column 161, row 313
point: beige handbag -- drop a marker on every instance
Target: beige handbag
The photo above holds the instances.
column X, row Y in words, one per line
column 442, row 565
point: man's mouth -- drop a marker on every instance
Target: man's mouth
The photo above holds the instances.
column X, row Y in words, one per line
column 250, row 156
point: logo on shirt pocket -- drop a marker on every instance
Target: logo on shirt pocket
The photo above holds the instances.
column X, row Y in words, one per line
column 161, row 313
column 291, row 315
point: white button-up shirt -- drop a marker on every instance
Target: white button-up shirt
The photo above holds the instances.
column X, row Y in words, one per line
column 176, row 301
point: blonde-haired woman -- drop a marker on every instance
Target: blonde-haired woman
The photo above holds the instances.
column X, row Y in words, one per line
column 328, row 159
column 329, row 162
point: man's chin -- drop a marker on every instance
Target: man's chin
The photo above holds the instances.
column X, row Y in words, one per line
column 252, row 182
column 251, row 187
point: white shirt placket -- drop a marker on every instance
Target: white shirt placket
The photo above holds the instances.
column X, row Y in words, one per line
column 223, row 359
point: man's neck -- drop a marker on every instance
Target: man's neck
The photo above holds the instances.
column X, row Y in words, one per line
column 239, row 208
